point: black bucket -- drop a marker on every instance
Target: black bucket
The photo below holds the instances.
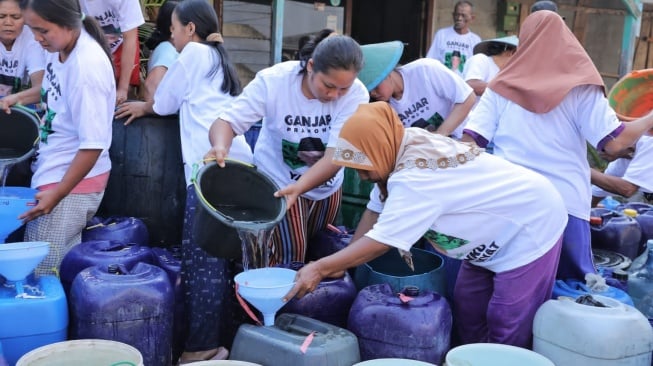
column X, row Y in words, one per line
column 226, row 196
column 19, row 134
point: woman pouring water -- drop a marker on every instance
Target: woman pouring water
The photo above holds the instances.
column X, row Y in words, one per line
column 303, row 105
column 199, row 84
column 433, row 187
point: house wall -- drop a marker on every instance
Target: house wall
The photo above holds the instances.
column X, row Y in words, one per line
column 247, row 28
column 598, row 27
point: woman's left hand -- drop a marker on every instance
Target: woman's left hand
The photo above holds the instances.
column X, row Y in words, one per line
column 291, row 192
column 46, row 202
column 306, row 281
column 131, row 111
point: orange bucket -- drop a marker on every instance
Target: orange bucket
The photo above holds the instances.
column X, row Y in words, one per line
column 632, row 96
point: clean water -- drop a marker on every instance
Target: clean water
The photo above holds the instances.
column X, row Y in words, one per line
column 255, row 242
column 253, row 227
column 4, row 172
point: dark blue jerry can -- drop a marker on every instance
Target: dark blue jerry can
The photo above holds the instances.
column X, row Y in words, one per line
column 414, row 325
column 327, row 242
column 611, row 230
column 123, row 229
column 100, row 252
column 170, row 261
column 329, row 302
column 130, row 306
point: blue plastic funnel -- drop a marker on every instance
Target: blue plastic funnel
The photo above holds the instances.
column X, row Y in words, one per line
column 17, row 260
column 13, row 202
column 265, row 288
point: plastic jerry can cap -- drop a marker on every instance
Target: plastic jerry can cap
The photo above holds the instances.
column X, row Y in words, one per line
column 630, row 212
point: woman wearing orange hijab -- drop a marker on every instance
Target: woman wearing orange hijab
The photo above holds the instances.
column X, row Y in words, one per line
column 433, row 187
column 541, row 110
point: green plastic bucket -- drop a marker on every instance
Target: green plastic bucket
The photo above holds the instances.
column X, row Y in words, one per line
column 632, row 96
column 355, row 195
column 391, row 268
column 229, row 197
column 96, row 352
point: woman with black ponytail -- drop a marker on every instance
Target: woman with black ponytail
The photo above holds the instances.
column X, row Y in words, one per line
column 200, row 84
column 78, row 95
column 303, row 104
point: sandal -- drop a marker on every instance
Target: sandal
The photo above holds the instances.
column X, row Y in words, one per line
column 221, row 354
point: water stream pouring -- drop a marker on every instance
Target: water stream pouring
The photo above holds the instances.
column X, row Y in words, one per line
column 18, row 260
column 236, row 211
column 13, row 202
column 265, row 288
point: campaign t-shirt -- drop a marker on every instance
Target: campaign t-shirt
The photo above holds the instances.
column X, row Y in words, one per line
column 453, row 49
column 295, row 130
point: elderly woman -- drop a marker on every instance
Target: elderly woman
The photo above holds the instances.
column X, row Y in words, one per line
column 433, row 187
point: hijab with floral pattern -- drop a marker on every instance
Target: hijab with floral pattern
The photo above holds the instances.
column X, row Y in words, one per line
column 549, row 62
column 374, row 139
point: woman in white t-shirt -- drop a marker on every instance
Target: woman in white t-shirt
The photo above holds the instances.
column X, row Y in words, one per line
column 630, row 176
column 489, row 58
column 424, row 93
column 200, row 84
column 540, row 112
column 120, row 20
column 303, row 105
column 21, row 58
column 432, row 187
column 72, row 166
column 164, row 52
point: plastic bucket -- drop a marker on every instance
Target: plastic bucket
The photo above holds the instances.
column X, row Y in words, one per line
column 96, row 352
column 393, row 362
column 355, row 195
column 491, row 354
column 390, row 268
column 225, row 363
column 632, row 96
column 229, row 197
column 19, row 135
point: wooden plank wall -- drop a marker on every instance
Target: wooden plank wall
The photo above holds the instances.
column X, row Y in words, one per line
column 599, row 30
column 247, row 31
column 643, row 58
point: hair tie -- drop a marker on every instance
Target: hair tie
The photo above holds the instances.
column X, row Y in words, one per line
column 215, row 37
column 83, row 16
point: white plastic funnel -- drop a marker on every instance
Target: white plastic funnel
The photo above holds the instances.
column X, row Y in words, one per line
column 13, row 202
column 265, row 288
column 17, row 260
